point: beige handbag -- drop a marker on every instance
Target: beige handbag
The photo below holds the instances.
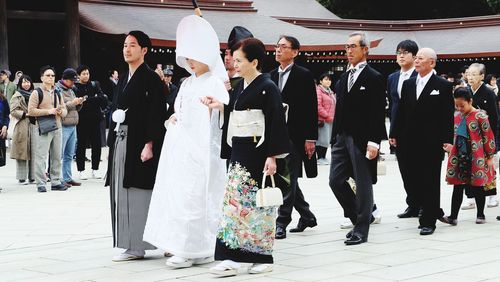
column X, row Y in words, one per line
column 268, row 196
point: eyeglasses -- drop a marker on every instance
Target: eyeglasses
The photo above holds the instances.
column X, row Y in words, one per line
column 50, row 75
column 404, row 53
column 282, row 47
column 351, row 46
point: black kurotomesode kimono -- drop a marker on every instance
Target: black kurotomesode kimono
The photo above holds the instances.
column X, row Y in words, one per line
column 246, row 233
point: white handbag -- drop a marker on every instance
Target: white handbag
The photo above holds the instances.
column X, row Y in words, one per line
column 269, row 196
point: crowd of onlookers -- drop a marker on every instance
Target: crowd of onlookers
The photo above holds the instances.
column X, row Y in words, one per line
column 75, row 108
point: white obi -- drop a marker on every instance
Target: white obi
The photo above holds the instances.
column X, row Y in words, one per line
column 247, row 123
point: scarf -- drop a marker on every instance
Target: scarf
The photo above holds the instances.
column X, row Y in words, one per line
column 25, row 94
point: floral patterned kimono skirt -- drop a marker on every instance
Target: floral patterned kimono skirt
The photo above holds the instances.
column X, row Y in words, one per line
column 246, row 232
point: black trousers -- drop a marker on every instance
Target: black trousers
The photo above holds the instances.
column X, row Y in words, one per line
column 428, row 173
column 411, row 180
column 474, row 192
column 88, row 130
column 321, row 152
column 294, row 198
column 349, row 161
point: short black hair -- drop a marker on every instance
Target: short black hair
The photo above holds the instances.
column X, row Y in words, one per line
column 82, row 68
column 464, row 68
column 464, row 93
column 142, row 38
column 294, row 41
column 253, row 49
column 323, row 75
column 25, row 77
column 408, row 45
column 111, row 72
column 45, row 68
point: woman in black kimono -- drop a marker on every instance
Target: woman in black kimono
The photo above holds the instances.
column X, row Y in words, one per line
column 246, row 232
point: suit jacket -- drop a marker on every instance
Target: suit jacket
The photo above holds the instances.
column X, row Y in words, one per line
column 485, row 99
column 422, row 126
column 146, row 104
column 392, row 92
column 299, row 93
column 360, row 113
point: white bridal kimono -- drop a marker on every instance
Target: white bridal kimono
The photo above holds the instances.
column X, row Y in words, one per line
column 187, row 197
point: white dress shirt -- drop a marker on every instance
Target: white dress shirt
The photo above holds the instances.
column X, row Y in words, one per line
column 421, row 82
column 404, row 75
column 285, row 75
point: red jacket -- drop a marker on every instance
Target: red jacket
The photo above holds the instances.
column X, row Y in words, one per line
column 482, row 146
column 326, row 105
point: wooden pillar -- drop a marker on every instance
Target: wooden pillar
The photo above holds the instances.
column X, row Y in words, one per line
column 72, row 33
column 4, row 44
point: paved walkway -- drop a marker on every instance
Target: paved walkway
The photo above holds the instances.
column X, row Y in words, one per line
column 66, row 236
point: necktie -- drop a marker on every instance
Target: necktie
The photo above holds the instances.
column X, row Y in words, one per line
column 420, row 87
column 351, row 79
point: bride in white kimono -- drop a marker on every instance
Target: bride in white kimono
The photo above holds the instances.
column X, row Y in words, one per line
column 187, row 197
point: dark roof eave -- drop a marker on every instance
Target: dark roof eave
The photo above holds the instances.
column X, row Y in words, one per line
column 408, row 25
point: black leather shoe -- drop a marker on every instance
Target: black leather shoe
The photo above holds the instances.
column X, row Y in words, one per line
column 349, row 234
column 427, row 230
column 408, row 213
column 498, row 217
column 354, row 240
column 280, row 232
column 303, row 224
column 60, row 187
column 41, row 189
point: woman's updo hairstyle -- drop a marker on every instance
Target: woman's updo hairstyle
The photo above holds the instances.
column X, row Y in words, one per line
column 253, row 49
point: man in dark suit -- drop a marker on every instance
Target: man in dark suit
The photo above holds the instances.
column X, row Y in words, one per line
column 405, row 56
column 298, row 90
column 358, row 130
column 423, row 123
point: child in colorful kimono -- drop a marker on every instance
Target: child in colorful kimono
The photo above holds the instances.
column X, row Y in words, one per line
column 470, row 162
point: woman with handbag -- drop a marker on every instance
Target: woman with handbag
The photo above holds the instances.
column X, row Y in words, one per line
column 21, row 137
column 256, row 131
column 326, row 112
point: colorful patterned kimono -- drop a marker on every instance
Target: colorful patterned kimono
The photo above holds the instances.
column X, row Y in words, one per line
column 246, row 232
column 480, row 145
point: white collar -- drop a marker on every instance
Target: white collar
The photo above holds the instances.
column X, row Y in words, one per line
column 286, row 68
column 425, row 78
column 359, row 66
column 409, row 72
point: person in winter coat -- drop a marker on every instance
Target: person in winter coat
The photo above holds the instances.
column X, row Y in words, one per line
column 21, row 138
column 326, row 111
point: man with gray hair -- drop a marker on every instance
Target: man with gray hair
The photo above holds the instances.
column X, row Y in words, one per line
column 358, row 129
column 423, row 123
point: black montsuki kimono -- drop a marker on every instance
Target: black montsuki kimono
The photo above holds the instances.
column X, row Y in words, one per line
column 144, row 99
column 246, row 233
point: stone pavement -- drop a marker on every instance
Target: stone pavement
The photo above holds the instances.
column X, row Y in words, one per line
column 66, row 236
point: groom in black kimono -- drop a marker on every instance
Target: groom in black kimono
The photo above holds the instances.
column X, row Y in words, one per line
column 140, row 93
